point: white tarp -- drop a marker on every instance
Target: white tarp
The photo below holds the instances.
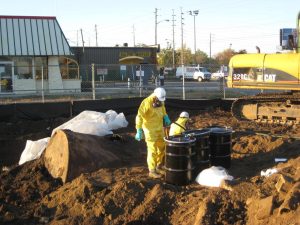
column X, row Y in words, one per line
column 87, row 122
column 268, row 172
column 213, row 176
column 33, row 150
column 96, row 123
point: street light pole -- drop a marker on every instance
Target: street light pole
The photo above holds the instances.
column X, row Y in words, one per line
column 156, row 23
column 194, row 13
column 173, row 34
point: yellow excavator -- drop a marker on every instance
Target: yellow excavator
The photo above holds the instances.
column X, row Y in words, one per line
column 279, row 73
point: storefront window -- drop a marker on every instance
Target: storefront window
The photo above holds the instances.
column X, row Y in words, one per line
column 23, row 67
column 41, row 63
column 68, row 68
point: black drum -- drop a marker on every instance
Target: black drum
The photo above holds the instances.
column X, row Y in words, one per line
column 180, row 160
column 220, row 146
column 202, row 148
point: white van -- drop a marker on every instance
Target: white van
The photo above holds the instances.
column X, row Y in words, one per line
column 192, row 72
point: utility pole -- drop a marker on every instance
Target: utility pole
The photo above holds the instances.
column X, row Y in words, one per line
column 96, row 35
column 133, row 32
column 155, row 41
column 209, row 46
column 77, row 38
column 181, row 22
column 182, row 66
column 156, row 23
column 173, row 49
column 82, row 41
column 83, row 55
column 210, row 41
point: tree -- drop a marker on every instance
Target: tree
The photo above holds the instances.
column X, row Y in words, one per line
column 201, row 57
column 165, row 57
column 187, row 56
column 242, row 51
column 224, row 57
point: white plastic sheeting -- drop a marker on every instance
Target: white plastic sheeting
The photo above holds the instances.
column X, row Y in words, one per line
column 213, row 176
column 33, row 150
column 87, row 122
column 95, row 123
column 268, row 172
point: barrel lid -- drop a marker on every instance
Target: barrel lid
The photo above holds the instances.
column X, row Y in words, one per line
column 220, row 130
column 197, row 132
column 180, row 139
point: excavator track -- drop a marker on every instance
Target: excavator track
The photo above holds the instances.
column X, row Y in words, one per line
column 280, row 108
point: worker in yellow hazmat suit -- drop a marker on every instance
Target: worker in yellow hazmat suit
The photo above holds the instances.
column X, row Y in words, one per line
column 178, row 127
column 150, row 119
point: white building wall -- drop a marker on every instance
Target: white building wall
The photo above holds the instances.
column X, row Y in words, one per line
column 54, row 76
column 24, row 86
column 39, row 85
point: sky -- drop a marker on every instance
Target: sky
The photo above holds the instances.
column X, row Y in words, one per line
column 220, row 24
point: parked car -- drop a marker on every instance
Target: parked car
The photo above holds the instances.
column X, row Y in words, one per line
column 221, row 73
column 168, row 70
column 195, row 73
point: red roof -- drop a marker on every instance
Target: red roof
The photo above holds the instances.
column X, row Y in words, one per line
column 28, row 17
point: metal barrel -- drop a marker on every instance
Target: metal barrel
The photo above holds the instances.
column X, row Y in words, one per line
column 180, row 160
column 220, row 146
column 202, row 148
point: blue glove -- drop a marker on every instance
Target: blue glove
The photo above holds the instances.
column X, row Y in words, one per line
column 167, row 120
column 139, row 134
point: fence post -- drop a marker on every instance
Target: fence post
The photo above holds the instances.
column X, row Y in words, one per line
column 224, row 95
column 93, row 80
column 128, row 83
column 140, row 81
column 43, row 97
column 183, row 85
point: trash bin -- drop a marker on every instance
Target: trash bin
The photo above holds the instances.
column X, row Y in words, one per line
column 180, row 159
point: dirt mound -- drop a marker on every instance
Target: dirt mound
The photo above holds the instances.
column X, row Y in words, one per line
column 124, row 194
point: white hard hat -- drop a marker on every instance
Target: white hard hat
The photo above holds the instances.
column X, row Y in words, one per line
column 160, row 93
column 184, row 114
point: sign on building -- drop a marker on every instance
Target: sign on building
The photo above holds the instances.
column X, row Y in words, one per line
column 102, row 71
column 138, row 72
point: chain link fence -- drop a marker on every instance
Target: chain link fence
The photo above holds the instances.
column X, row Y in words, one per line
column 105, row 81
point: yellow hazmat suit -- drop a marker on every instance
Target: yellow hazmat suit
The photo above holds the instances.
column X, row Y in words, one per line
column 150, row 119
column 179, row 126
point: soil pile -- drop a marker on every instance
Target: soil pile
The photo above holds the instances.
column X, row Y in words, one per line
column 124, row 194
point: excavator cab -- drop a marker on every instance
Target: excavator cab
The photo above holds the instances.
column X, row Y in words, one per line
column 279, row 73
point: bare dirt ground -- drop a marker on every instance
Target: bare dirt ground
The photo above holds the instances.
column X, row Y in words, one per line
column 124, row 194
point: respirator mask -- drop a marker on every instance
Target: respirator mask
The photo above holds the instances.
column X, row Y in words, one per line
column 156, row 103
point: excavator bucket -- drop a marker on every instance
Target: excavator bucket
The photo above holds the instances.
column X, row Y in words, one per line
column 68, row 154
